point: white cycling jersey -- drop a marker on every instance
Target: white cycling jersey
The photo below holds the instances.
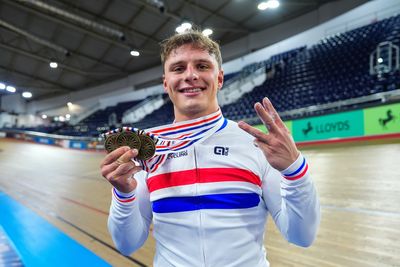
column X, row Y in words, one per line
column 209, row 204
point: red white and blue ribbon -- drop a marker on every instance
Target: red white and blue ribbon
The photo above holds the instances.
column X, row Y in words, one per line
column 178, row 136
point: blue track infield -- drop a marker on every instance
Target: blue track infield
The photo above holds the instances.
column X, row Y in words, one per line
column 38, row 242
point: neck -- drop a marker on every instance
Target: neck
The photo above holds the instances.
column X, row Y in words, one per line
column 186, row 117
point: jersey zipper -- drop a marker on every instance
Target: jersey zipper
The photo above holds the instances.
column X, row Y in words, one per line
column 201, row 232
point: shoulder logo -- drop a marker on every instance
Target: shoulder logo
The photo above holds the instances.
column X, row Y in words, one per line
column 220, row 150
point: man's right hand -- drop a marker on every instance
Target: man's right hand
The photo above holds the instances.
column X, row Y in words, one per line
column 118, row 168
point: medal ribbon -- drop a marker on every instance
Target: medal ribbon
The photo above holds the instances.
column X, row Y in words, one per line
column 178, row 136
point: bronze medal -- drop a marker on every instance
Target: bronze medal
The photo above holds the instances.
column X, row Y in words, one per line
column 148, row 148
column 130, row 139
column 111, row 143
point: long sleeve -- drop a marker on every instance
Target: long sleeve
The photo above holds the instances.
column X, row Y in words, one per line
column 130, row 217
column 291, row 198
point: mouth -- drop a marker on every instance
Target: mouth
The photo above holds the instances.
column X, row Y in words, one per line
column 191, row 90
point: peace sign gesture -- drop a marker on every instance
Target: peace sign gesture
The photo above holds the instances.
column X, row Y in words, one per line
column 277, row 145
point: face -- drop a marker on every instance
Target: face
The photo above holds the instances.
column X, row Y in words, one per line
column 192, row 79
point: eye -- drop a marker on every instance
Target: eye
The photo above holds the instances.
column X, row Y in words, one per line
column 203, row 67
column 177, row 69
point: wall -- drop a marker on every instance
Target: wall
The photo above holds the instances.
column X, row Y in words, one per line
column 13, row 103
column 107, row 94
column 7, row 120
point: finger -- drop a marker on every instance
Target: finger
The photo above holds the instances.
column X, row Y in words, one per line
column 107, row 169
column 127, row 156
column 260, row 135
column 265, row 117
column 112, row 156
column 272, row 111
column 125, row 182
column 122, row 173
column 126, row 160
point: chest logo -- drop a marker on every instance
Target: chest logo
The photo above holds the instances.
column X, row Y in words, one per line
column 220, row 150
column 177, row 155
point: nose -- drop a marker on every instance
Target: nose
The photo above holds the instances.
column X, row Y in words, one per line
column 191, row 73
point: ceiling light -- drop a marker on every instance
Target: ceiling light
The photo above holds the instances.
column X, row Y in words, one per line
column 158, row 4
column 207, row 32
column 53, row 65
column 44, row 116
column 11, row 89
column 68, row 116
column 2, row 86
column 135, row 53
column 69, row 104
column 273, row 3
column 268, row 4
column 262, row 6
column 27, row 94
column 183, row 27
column 380, row 60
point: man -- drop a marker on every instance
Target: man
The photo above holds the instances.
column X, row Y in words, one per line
column 209, row 202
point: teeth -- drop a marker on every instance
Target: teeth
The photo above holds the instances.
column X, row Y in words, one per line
column 192, row 90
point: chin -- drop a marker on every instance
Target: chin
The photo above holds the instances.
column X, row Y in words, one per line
column 194, row 109
column 193, row 104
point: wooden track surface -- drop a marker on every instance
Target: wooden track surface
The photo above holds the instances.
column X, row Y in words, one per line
column 358, row 184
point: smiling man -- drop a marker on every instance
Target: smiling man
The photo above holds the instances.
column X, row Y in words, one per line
column 210, row 197
column 192, row 78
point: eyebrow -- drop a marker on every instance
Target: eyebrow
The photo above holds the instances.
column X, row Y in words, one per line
column 196, row 61
column 176, row 63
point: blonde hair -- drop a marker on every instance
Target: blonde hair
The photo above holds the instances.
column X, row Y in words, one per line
column 194, row 37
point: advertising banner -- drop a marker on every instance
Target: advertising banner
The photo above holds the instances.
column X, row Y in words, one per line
column 44, row 140
column 382, row 120
column 341, row 125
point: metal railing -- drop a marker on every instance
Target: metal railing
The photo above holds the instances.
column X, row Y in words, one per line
column 234, row 90
column 143, row 108
column 384, row 59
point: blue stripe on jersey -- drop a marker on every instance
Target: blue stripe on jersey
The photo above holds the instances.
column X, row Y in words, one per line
column 216, row 201
column 223, row 125
column 298, row 169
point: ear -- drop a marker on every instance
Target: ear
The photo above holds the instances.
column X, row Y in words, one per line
column 165, row 84
column 220, row 79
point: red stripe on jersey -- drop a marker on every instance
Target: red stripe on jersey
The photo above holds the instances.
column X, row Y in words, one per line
column 207, row 175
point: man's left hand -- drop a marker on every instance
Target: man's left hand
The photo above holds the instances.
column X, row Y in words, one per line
column 277, row 145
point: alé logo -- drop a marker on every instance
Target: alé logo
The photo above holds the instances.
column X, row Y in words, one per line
column 387, row 119
column 328, row 127
column 220, row 150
